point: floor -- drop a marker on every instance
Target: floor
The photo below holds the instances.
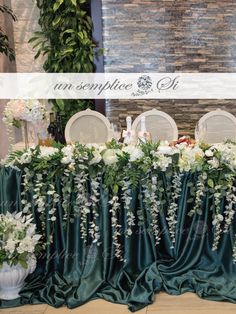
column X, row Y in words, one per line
column 164, row 304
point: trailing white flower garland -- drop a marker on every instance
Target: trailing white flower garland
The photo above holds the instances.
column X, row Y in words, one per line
column 115, row 206
column 218, row 218
column 26, row 184
column 173, row 206
column 200, row 193
column 94, row 229
column 127, row 198
column 230, row 208
column 234, row 251
column 153, row 206
column 82, row 201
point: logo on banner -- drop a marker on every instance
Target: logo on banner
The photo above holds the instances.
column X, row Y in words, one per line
column 144, row 86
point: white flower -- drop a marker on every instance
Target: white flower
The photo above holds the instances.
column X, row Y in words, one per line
column 31, row 231
column 68, row 154
column 46, row 152
column 134, row 152
column 110, row 156
column 165, row 150
column 214, row 163
column 209, row 153
column 163, row 162
column 92, row 145
column 96, row 158
column 25, row 158
column 190, row 158
column 28, row 110
column 13, row 226
column 10, row 246
column 26, row 245
column 68, row 150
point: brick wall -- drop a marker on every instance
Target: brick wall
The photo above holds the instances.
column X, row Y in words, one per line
column 169, row 36
column 27, row 14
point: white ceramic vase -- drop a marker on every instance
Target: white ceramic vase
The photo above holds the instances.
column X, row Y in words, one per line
column 12, row 279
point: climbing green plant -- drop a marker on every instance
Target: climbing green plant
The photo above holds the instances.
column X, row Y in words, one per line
column 66, row 41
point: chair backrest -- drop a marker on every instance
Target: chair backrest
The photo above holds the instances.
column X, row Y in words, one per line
column 217, row 126
column 88, row 126
column 160, row 125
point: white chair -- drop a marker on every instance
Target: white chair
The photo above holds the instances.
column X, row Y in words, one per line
column 88, row 126
column 216, row 127
column 159, row 124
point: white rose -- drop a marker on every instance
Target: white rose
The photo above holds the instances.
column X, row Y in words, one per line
column 110, row 156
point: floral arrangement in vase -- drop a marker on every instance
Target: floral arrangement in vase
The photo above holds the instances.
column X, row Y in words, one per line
column 18, row 246
column 26, row 111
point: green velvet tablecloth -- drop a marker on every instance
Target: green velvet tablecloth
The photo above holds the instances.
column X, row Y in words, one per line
column 71, row 273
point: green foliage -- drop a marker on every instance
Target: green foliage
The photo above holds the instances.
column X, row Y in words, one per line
column 66, row 41
column 4, row 40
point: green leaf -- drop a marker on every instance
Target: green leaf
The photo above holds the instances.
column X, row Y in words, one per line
column 56, row 21
column 210, row 183
column 115, row 189
column 74, row 2
column 60, row 104
column 57, row 4
column 23, row 263
column 81, row 35
column 68, row 50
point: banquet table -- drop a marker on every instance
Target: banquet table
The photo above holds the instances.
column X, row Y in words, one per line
column 71, row 272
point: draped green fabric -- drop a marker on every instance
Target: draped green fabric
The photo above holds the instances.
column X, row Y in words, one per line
column 71, row 273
